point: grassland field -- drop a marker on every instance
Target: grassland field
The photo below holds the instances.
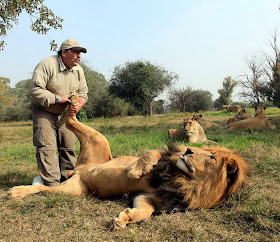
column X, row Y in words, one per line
column 251, row 215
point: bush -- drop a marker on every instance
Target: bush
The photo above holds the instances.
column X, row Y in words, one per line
column 82, row 115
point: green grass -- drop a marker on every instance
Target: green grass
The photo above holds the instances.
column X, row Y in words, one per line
column 250, row 215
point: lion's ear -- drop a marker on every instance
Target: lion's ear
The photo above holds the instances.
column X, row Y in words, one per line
column 232, row 166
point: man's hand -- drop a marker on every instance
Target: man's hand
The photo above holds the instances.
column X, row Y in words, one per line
column 74, row 108
column 65, row 99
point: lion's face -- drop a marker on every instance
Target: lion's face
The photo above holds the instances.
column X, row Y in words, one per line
column 197, row 117
column 189, row 126
column 241, row 114
column 259, row 110
column 197, row 163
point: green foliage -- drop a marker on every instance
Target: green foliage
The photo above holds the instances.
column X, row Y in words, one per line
column 82, row 116
column 242, row 104
column 42, row 18
column 97, row 90
column 17, row 113
column 275, row 87
column 139, row 83
column 110, row 106
column 225, row 93
column 15, row 102
column 188, row 100
column 158, row 106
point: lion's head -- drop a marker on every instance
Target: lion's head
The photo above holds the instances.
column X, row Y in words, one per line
column 243, row 114
column 190, row 126
column 259, row 111
column 201, row 178
column 197, row 117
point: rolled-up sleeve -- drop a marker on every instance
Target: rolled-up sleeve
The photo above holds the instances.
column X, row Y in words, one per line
column 37, row 89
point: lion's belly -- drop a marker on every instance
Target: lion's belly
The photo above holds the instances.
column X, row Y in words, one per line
column 110, row 179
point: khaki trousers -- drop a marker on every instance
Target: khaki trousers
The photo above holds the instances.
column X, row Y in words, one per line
column 50, row 136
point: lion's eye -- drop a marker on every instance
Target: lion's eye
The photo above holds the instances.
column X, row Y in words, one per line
column 212, row 157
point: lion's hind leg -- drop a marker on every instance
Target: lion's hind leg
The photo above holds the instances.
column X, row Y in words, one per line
column 23, row 191
column 142, row 210
column 73, row 186
column 143, row 165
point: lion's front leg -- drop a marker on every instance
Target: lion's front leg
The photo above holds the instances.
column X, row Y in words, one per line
column 142, row 210
column 143, row 165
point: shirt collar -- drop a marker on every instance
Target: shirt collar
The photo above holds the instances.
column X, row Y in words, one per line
column 62, row 66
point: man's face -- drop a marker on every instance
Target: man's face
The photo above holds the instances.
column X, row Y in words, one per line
column 71, row 58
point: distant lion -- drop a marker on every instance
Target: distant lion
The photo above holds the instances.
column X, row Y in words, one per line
column 191, row 132
column 231, row 120
column 178, row 134
column 232, row 108
column 243, row 114
column 194, row 132
column 204, row 124
column 260, row 121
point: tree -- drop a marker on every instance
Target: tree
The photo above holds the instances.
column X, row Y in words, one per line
column 202, row 100
column 42, row 18
column 272, row 70
column 225, row 93
column 6, row 98
column 188, row 100
column 98, row 90
column 19, row 107
column 158, row 106
column 179, row 99
column 252, row 83
column 139, row 83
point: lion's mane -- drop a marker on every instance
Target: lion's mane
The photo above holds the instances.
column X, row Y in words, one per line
column 176, row 191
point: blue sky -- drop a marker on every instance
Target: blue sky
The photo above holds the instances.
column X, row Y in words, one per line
column 203, row 41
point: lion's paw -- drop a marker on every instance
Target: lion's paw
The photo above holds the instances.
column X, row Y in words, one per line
column 134, row 174
column 118, row 224
column 17, row 192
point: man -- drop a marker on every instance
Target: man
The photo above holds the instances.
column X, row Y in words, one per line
column 53, row 80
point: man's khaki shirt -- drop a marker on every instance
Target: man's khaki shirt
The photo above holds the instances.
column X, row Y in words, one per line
column 51, row 78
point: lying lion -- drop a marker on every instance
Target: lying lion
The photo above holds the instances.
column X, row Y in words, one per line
column 178, row 178
column 194, row 132
column 191, row 132
column 178, row 134
column 243, row 114
column 260, row 121
column 232, row 108
column 204, row 124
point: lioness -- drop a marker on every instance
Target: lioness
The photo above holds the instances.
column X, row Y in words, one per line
column 178, row 178
column 178, row 134
column 232, row 108
column 241, row 115
column 191, row 132
column 260, row 121
column 204, row 124
column 194, row 132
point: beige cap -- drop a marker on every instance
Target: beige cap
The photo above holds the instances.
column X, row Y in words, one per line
column 72, row 44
